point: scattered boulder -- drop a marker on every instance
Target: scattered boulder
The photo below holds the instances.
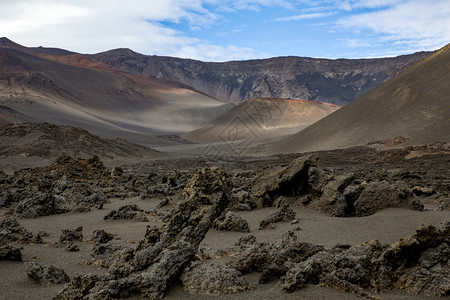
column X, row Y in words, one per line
column 288, row 181
column 378, row 195
column 72, row 234
column 212, row 279
column 67, row 185
column 336, row 194
column 127, row 212
column 231, row 222
column 284, row 214
column 332, row 200
column 286, row 251
column 46, row 274
column 271, row 260
column 101, row 236
column 11, row 229
column 418, row 264
column 68, row 236
column 250, row 255
column 105, row 254
column 164, row 202
column 9, row 252
column 150, row 267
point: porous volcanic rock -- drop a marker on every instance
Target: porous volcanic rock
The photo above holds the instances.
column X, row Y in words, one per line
column 272, row 260
column 285, row 213
column 288, row 181
column 11, row 230
column 150, row 267
column 330, row 192
column 212, row 279
column 127, row 212
column 231, row 222
column 46, row 274
column 101, row 236
column 8, row 251
column 418, row 264
column 67, row 185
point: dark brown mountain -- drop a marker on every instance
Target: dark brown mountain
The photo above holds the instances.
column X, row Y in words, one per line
column 334, row 81
column 412, row 108
column 51, row 85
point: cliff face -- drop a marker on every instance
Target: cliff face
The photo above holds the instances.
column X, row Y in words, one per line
column 333, row 81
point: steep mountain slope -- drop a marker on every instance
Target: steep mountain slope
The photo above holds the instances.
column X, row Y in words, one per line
column 334, row 81
column 72, row 90
column 8, row 115
column 259, row 118
column 414, row 105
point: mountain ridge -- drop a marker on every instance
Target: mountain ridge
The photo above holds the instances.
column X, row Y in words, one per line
column 288, row 77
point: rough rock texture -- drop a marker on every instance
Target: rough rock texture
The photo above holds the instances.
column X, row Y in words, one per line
column 284, row 252
column 67, row 238
column 8, row 251
column 101, row 236
column 251, row 255
column 150, row 267
column 67, row 185
column 284, row 214
column 381, row 194
column 212, row 279
column 419, row 264
column 289, row 181
column 272, row 260
column 336, row 194
column 72, row 234
column 105, row 254
column 11, row 230
column 127, row 212
column 231, row 222
column 46, row 275
column 337, row 81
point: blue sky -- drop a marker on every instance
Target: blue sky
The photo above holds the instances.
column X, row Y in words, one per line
column 214, row 30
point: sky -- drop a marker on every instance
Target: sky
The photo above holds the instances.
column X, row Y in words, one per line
column 224, row 30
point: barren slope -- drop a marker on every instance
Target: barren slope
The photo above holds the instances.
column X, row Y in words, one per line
column 72, row 90
column 261, row 118
column 48, row 141
column 415, row 105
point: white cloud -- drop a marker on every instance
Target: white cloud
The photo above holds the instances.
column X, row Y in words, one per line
column 89, row 26
column 303, row 17
column 93, row 26
column 410, row 25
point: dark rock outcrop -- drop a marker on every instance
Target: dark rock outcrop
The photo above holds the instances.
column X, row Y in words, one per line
column 46, row 274
column 101, row 236
column 151, row 267
column 231, row 222
column 418, row 264
column 272, row 260
column 284, row 214
column 127, row 212
column 11, row 230
column 8, row 251
column 67, row 185
column 68, row 236
column 212, row 279
column 338, row 195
